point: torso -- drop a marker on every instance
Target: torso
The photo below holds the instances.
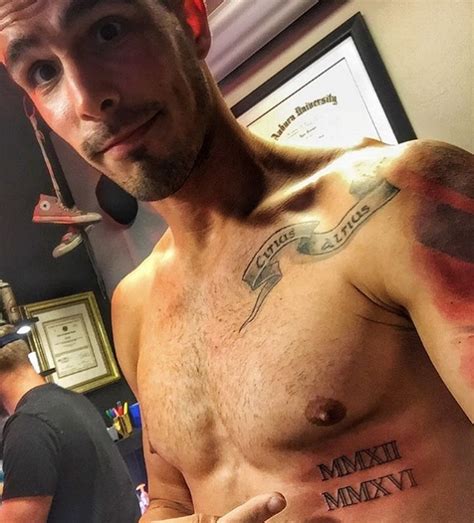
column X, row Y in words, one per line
column 327, row 395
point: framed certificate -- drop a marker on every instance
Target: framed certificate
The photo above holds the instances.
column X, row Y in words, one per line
column 335, row 94
column 70, row 337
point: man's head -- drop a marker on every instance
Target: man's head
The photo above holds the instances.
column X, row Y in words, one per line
column 17, row 375
column 122, row 81
column 13, row 359
column 13, row 355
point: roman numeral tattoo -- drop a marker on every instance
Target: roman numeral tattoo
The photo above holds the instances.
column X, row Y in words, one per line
column 366, row 490
column 263, row 272
column 370, row 490
column 363, row 459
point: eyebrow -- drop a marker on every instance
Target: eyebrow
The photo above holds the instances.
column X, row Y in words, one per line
column 17, row 48
column 78, row 8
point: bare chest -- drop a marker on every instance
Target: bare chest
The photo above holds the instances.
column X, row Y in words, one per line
column 302, row 370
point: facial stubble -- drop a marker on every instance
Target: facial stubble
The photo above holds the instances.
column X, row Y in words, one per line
column 155, row 177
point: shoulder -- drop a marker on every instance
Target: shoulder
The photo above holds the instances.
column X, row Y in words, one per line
column 127, row 307
column 429, row 216
column 430, row 225
column 436, row 183
column 431, row 177
column 430, row 169
column 426, row 159
column 434, row 156
column 28, row 430
column 129, row 296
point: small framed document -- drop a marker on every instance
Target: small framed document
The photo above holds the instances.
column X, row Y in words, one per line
column 335, row 94
column 71, row 337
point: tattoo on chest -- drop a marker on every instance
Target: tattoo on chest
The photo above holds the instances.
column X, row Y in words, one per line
column 370, row 489
column 263, row 272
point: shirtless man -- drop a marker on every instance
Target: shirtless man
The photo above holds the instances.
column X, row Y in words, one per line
column 306, row 325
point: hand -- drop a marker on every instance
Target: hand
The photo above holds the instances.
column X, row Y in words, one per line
column 257, row 510
column 13, row 10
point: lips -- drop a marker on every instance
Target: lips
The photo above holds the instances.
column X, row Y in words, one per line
column 128, row 140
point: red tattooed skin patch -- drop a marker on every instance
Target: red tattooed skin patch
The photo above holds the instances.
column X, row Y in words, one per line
column 445, row 257
column 435, row 191
column 447, row 229
column 450, row 280
column 325, row 411
column 449, row 167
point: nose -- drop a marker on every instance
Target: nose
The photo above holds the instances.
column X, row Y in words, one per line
column 91, row 91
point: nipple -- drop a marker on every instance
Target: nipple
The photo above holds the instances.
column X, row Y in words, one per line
column 325, row 411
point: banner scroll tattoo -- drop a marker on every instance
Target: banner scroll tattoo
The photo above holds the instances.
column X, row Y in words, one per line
column 263, row 272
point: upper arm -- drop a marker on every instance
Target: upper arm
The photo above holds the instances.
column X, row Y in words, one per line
column 168, row 491
column 32, row 509
column 126, row 325
column 433, row 275
column 31, row 458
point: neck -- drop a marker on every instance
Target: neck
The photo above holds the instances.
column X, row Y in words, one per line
column 15, row 384
column 232, row 179
column 226, row 184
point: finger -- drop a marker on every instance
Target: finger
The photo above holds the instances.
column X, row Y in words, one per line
column 7, row 6
column 256, row 510
column 12, row 11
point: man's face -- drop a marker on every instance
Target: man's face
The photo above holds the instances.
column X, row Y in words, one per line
column 119, row 80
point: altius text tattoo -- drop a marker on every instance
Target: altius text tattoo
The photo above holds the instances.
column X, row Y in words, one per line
column 263, row 272
column 370, row 489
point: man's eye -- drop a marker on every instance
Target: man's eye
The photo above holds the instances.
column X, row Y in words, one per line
column 43, row 73
column 109, row 31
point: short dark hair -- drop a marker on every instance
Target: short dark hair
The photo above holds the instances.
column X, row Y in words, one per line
column 15, row 354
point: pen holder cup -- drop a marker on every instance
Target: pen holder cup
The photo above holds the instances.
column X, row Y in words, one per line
column 134, row 412
column 123, row 425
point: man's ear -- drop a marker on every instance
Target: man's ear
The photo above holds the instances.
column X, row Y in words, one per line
column 195, row 14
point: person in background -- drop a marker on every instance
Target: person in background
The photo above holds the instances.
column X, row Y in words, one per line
column 60, row 464
column 304, row 330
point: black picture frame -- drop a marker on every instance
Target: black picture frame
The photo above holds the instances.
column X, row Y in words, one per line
column 356, row 29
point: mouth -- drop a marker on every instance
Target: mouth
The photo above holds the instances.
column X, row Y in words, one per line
column 123, row 144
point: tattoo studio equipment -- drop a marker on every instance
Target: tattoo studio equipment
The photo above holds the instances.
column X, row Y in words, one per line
column 9, row 314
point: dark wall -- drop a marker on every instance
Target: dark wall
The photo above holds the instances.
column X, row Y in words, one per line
column 25, row 248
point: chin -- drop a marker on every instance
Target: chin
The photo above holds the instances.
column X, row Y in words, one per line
column 151, row 179
column 149, row 183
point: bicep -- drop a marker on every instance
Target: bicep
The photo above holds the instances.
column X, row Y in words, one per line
column 19, row 510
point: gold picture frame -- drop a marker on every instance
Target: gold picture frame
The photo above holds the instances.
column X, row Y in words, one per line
column 70, row 336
